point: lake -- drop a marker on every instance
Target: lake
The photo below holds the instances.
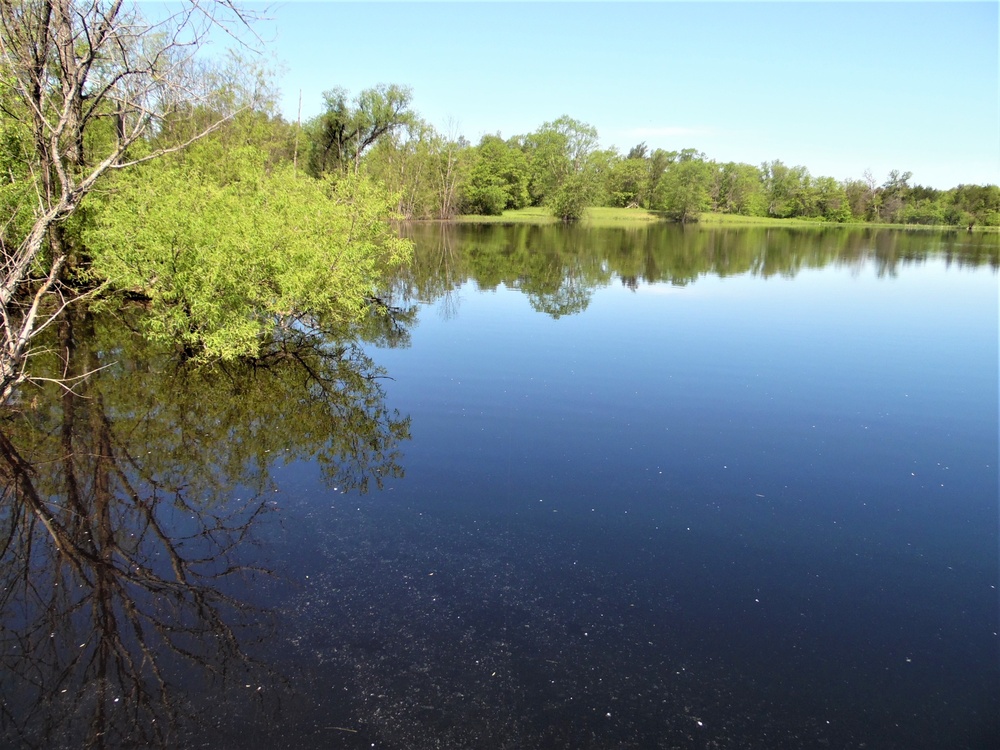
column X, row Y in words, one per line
column 655, row 487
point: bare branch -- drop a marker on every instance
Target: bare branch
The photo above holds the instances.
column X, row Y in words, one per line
column 71, row 64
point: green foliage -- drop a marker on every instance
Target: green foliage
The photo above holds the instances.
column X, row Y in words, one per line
column 17, row 184
column 737, row 189
column 484, row 197
column 599, row 167
column 400, row 163
column 572, row 197
column 555, row 151
column 498, row 178
column 344, row 132
column 227, row 250
column 973, row 204
column 559, row 167
column 857, row 198
column 828, row 200
column 683, row 191
column 924, row 212
column 788, row 190
column 627, row 182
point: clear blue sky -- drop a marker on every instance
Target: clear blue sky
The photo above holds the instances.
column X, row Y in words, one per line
column 837, row 87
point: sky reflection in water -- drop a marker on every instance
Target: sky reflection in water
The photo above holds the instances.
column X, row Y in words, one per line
column 749, row 509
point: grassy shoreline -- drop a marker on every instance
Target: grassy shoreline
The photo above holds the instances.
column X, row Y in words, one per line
column 613, row 217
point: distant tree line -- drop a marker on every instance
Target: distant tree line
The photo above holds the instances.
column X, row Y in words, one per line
column 559, row 166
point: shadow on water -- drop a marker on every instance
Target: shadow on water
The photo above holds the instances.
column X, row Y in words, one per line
column 134, row 512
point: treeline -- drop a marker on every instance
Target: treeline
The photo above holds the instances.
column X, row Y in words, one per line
column 559, row 166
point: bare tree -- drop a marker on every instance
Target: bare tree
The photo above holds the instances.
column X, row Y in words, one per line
column 873, row 195
column 449, row 171
column 73, row 68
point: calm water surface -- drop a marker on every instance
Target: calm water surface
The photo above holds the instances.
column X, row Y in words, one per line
column 590, row 489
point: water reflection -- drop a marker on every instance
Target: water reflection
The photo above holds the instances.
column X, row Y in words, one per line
column 706, row 536
column 134, row 504
column 558, row 267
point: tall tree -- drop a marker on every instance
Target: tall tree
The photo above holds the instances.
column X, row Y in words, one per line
column 556, row 151
column 450, row 165
column 345, row 131
column 627, row 182
column 425, row 169
column 895, row 192
column 498, row 178
column 737, row 189
column 873, row 197
column 968, row 205
column 683, row 192
column 858, row 198
column 659, row 162
column 831, row 200
column 402, row 162
column 788, row 189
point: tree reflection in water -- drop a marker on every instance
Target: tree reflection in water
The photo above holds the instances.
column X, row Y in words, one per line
column 559, row 268
column 130, row 515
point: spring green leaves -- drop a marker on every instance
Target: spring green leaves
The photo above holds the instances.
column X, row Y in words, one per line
column 229, row 254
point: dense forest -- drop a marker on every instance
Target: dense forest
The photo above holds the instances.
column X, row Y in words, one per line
column 132, row 170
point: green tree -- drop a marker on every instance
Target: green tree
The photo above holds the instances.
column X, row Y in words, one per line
column 737, row 189
column 227, row 259
column 451, row 156
column 895, row 193
column 627, row 182
column 640, row 151
column 89, row 89
column 968, row 205
column 858, row 198
column 659, row 163
column 831, row 200
column 776, row 178
column 346, row 130
column 683, row 191
column 925, row 211
column 873, row 196
column 573, row 196
column 498, row 178
column 402, row 162
column 17, row 196
column 789, row 190
column 424, row 169
column 555, row 151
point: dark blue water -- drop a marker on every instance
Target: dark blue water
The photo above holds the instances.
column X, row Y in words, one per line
column 787, row 485
column 701, row 504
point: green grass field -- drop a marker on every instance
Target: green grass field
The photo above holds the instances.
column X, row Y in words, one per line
column 537, row 215
column 602, row 216
column 596, row 216
column 735, row 220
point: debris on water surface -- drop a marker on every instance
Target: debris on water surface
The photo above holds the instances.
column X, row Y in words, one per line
column 491, row 654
